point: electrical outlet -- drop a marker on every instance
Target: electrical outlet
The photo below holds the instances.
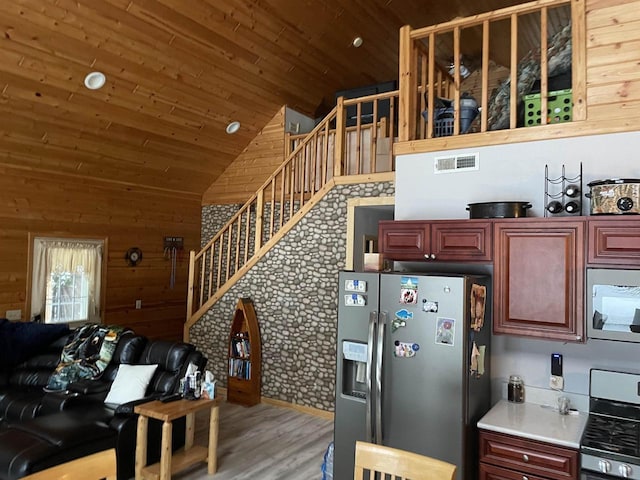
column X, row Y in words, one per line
column 138, row 304
column 556, row 382
column 14, row 314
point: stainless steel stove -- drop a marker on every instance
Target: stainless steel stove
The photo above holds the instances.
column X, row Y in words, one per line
column 610, row 445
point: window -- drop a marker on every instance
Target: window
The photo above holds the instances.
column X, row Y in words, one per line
column 66, row 280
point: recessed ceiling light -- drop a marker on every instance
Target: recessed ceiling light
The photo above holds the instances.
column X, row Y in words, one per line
column 233, row 127
column 357, row 42
column 95, row 80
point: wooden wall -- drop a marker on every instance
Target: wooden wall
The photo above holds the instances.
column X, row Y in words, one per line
column 613, row 56
column 128, row 216
column 252, row 167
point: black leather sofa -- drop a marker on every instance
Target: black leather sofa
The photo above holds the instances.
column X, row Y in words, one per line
column 39, row 429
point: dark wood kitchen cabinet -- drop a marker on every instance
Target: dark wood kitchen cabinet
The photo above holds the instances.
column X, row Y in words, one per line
column 436, row 240
column 614, row 241
column 508, row 457
column 539, row 267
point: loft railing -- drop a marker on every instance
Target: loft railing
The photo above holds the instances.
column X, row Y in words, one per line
column 355, row 138
column 419, row 58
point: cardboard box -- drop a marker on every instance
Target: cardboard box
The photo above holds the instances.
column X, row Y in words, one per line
column 373, row 262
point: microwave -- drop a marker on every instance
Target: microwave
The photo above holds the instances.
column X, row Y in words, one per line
column 613, row 304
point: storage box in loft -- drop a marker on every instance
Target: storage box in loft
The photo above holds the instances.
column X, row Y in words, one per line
column 559, row 108
column 444, row 119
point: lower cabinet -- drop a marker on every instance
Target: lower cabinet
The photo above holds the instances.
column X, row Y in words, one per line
column 491, row 472
column 510, row 457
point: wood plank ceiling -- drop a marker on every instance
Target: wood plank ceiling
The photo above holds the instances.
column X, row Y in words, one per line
column 178, row 71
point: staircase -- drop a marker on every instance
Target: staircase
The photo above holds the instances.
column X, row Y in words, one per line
column 345, row 144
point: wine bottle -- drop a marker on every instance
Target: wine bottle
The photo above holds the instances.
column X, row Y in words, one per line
column 572, row 190
column 572, row 207
column 554, row 207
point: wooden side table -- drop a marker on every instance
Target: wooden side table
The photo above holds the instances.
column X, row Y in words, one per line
column 166, row 412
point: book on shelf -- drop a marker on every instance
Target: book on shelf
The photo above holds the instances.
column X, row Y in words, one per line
column 240, row 347
column 240, row 368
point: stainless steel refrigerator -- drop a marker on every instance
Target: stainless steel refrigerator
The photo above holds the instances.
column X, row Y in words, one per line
column 412, row 365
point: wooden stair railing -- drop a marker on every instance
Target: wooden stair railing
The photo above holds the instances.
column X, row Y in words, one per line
column 332, row 149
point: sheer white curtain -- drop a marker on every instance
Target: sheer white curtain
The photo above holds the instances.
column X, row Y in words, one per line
column 66, row 255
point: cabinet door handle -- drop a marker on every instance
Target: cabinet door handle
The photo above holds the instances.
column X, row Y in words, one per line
column 433, row 256
column 524, row 477
column 525, row 457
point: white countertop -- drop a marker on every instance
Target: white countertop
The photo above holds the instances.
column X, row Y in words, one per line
column 532, row 421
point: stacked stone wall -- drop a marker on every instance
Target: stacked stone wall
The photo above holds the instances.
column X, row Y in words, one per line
column 294, row 288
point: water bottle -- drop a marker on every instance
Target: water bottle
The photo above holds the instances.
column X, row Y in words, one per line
column 327, row 465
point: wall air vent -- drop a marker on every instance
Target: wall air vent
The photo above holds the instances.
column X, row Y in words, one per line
column 456, row 163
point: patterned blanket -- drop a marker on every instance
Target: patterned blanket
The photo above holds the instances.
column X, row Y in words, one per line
column 86, row 355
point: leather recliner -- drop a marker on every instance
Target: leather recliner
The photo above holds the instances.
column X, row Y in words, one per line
column 40, row 430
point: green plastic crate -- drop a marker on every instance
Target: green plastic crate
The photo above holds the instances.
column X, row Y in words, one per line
column 559, row 108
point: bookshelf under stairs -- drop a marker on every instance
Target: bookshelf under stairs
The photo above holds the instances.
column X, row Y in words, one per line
column 243, row 379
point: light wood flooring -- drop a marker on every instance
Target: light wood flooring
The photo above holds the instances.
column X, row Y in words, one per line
column 264, row 442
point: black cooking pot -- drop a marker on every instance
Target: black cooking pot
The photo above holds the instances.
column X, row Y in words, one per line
column 498, row 209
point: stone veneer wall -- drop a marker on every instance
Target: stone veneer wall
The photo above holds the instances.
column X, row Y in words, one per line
column 213, row 219
column 294, row 288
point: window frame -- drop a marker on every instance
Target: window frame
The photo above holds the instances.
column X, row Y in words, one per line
column 72, row 237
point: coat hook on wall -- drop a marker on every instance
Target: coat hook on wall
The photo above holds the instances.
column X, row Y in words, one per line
column 172, row 246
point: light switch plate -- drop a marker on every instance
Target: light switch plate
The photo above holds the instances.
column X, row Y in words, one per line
column 556, row 382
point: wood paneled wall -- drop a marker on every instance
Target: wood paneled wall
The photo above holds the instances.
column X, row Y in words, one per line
column 128, row 216
column 613, row 56
column 252, row 167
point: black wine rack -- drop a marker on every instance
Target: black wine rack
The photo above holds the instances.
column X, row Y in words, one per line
column 563, row 194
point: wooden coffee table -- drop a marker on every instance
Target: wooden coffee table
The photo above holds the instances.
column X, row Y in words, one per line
column 183, row 458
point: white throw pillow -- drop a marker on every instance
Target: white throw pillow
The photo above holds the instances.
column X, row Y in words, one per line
column 130, row 383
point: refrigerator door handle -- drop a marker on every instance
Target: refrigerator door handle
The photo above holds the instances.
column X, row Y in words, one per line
column 373, row 319
column 379, row 351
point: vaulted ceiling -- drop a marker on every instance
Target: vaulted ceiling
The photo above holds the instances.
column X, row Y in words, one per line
column 178, row 71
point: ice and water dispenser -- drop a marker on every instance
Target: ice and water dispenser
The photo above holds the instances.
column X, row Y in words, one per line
column 354, row 365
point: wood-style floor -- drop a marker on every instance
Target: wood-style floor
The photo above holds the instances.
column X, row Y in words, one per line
column 264, row 442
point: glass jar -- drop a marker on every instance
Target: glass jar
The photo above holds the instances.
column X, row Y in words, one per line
column 515, row 389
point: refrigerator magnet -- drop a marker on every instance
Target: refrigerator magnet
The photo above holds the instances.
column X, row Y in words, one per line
column 477, row 306
column 409, row 290
column 404, row 314
column 445, row 331
column 397, row 323
column 405, row 349
column 400, row 320
column 429, row 307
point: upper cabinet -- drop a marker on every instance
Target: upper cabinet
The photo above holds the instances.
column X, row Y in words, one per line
column 614, row 241
column 539, row 269
column 539, row 264
column 437, row 240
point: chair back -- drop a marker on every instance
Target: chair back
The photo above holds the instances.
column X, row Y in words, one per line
column 399, row 463
column 92, row 467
